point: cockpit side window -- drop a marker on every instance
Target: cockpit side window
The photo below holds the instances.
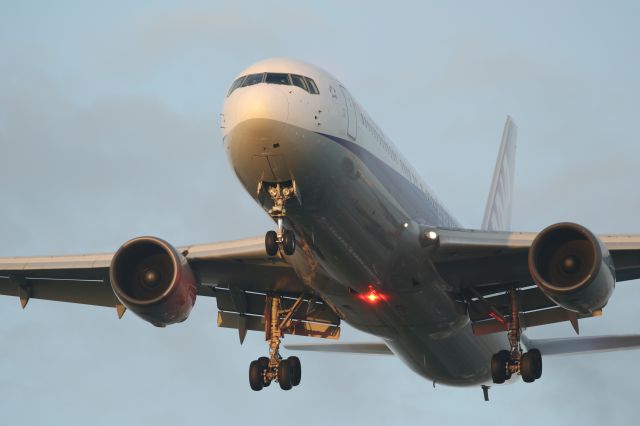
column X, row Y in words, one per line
column 277, row 78
column 313, row 89
column 236, row 84
column 253, row 79
column 298, row 80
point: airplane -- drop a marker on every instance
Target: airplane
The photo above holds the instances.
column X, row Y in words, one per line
column 358, row 237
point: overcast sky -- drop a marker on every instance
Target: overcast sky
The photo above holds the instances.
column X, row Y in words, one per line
column 109, row 130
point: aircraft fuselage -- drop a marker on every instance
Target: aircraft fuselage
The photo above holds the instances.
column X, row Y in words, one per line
column 357, row 217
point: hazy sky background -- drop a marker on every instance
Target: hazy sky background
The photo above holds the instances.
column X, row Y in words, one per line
column 109, row 130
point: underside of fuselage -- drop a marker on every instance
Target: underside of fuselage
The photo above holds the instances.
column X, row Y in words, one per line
column 357, row 222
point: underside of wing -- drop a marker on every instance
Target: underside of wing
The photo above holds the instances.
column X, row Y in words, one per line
column 495, row 259
column 481, row 266
column 76, row 279
column 85, row 278
column 238, row 273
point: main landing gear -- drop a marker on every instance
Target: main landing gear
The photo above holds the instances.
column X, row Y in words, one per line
column 282, row 238
column 506, row 363
column 287, row 372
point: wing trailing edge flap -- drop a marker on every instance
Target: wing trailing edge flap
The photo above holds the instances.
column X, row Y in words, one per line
column 243, row 322
column 592, row 344
column 245, row 310
column 490, row 314
column 375, row 348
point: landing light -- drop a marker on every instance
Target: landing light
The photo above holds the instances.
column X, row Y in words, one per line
column 372, row 296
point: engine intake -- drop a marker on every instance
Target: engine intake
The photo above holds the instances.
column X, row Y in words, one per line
column 572, row 267
column 153, row 280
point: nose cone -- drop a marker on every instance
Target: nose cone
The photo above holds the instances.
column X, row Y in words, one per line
column 262, row 101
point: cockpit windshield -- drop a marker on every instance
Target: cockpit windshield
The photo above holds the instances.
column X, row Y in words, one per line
column 277, row 78
column 305, row 83
column 252, row 79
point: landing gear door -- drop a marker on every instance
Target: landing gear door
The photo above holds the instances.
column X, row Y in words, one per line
column 352, row 123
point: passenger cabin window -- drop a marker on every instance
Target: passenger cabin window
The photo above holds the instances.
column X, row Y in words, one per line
column 253, row 79
column 277, row 78
column 305, row 83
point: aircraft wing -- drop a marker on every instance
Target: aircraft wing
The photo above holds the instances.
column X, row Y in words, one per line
column 480, row 265
column 238, row 273
column 496, row 259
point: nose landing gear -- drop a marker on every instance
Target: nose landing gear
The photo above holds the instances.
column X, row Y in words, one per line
column 281, row 238
column 506, row 363
column 287, row 372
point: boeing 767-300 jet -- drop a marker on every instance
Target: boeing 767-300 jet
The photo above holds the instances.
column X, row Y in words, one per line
column 358, row 237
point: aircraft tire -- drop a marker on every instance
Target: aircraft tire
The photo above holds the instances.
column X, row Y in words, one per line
column 264, row 362
column 271, row 243
column 528, row 367
column 537, row 362
column 498, row 367
column 289, row 242
column 284, row 375
column 255, row 375
column 296, row 370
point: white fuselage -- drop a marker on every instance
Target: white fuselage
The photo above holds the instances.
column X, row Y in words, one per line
column 360, row 209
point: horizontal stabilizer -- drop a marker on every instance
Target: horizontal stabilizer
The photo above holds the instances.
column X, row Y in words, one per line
column 591, row 344
column 349, row 348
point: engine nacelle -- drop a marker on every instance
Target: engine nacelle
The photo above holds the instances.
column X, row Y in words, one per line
column 153, row 280
column 572, row 267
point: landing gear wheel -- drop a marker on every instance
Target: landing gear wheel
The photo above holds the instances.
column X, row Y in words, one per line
column 537, row 357
column 531, row 366
column 528, row 367
column 264, row 362
column 284, row 375
column 296, row 370
column 287, row 372
column 256, row 378
column 499, row 367
column 289, row 242
column 271, row 243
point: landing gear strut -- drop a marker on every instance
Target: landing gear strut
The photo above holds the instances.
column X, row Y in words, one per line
column 506, row 363
column 281, row 238
column 287, row 372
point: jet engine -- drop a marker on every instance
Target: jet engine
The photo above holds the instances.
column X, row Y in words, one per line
column 572, row 267
column 153, row 280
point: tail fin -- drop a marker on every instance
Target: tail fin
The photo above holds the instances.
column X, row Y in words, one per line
column 497, row 214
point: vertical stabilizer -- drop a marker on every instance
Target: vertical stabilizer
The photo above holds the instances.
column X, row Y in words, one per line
column 497, row 214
